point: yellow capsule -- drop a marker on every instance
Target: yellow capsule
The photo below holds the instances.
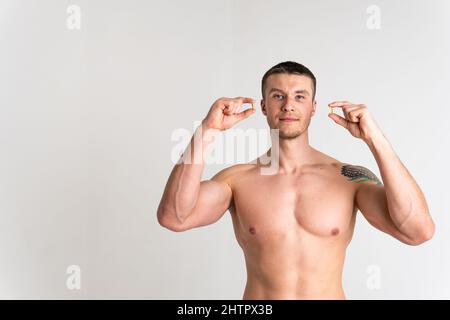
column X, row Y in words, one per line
column 330, row 110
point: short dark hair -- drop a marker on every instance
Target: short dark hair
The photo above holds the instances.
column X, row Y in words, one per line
column 289, row 67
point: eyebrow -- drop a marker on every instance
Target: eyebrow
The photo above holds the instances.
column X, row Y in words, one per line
column 297, row 91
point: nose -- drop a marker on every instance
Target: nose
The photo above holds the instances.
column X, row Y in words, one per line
column 288, row 106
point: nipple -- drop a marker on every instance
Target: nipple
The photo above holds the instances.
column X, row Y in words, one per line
column 252, row 230
column 335, row 232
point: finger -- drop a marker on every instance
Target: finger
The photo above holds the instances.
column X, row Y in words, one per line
column 350, row 112
column 352, row 117
column 339, row 103
column 225, row 103
column 347, row 110
column 245, row 114
column 339, row 120
column 227, row 110
column 350, row 107
column 344, row 107
column 243, row 100
column 232, row 106
column 356, row 114
column 235, row 107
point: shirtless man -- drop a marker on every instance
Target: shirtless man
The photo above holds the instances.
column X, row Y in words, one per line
column 294, row 225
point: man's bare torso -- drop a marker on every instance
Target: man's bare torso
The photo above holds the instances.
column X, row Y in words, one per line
column 294, row 229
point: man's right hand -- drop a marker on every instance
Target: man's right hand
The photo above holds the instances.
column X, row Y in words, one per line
column 224, row 113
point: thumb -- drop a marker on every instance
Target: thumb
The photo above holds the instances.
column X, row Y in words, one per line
column 339, row 120
column 245, row 114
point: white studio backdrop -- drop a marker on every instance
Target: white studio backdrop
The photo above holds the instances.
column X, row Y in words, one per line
column 92, row 91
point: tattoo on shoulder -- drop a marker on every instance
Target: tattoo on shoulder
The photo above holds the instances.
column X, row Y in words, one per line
column 359, row 174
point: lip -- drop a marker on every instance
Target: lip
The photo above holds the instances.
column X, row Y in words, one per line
column 289, row 119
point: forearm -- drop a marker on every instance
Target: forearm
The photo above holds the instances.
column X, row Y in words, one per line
column 406, row 203
column 182, row 188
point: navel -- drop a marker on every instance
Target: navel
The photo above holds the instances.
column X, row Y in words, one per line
column 335, row 232
column 252, row 230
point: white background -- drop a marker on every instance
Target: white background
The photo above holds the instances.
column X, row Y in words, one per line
column 86, row 118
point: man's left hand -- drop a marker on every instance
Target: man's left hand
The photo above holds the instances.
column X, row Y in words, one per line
column 357, row 120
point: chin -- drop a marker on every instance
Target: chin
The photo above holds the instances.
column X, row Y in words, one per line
column 289, row 135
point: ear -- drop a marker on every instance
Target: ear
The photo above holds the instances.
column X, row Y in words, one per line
column 263, row 107
column 314, row 108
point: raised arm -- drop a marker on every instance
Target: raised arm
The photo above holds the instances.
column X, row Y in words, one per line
column 398, row 207
column 188, row 202
column 371, row 199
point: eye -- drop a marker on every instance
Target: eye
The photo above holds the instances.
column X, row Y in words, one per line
column 277, row 95
column 302, row 97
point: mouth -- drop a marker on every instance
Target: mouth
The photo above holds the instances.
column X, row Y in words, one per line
column 289, row 119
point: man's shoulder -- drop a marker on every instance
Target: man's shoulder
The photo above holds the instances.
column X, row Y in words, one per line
column 352, row 172
column 359, row 173
column 227, row 174
column 325, row 161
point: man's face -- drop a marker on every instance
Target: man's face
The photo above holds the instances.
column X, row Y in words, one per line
column 288, row 104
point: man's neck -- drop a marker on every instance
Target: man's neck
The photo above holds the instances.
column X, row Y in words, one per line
column 293, row 153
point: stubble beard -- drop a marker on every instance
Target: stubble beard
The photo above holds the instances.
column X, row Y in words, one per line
column 295, row 133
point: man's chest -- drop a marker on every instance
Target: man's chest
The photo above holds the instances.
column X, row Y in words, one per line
column 320, row 203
